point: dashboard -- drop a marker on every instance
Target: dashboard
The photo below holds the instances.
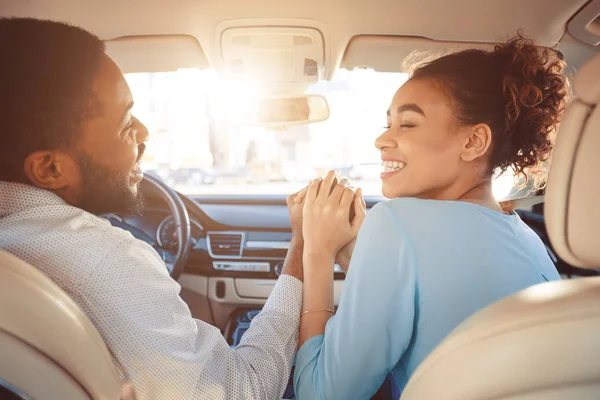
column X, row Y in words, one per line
column 231, row 236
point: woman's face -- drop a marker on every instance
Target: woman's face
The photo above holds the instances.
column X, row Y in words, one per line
column 421, row 148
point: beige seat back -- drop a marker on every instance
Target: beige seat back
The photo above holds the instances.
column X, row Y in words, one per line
column 48, row 347
column 543, row 342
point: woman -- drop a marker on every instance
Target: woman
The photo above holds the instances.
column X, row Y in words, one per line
column 441, row 248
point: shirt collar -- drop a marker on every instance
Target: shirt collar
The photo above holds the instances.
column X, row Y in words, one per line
column 15, row 197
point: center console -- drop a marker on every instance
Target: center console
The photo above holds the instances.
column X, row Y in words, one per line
column 239, row 324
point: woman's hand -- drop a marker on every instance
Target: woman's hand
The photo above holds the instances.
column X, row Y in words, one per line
column 326, row 228
column 326, row 225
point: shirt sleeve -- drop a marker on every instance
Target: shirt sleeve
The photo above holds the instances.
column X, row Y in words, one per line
column 373, row 325
column 166, row 354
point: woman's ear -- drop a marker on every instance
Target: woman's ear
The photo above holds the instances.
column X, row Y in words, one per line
column 478, row 139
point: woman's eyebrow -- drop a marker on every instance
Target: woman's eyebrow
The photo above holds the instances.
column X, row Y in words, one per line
column 408, row 107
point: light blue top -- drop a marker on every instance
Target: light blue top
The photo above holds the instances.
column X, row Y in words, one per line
column 419, row 268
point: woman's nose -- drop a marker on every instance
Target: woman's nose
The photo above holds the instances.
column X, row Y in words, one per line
column 385, row 141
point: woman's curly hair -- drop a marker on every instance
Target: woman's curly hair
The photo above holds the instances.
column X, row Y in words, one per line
column 518, row 89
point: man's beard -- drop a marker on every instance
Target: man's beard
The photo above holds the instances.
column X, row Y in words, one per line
column 106, row 191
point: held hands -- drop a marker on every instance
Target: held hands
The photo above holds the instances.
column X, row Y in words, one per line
column 294, row 204
column 326, row 225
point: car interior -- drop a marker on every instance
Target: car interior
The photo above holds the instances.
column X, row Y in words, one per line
column 224, row 238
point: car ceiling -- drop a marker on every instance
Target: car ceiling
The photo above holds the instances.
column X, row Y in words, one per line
column 339, row 20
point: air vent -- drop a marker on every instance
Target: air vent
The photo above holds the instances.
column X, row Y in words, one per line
column 225, row 245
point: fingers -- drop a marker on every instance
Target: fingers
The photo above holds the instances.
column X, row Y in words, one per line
column 361, row 197
column 326, row 186
column 332, row 189
column 347, row 198
column 326, row 209
column 290, row 200
column 338, row 190
column 313, row 190
column 360, row 209
column 357, row 222
column 299, row 197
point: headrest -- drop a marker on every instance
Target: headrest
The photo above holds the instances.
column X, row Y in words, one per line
column 572, row 198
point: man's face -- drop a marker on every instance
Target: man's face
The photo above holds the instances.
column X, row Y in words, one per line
column 110, row 148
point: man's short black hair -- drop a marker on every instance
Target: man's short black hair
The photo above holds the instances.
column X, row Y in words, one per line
column 46, row 73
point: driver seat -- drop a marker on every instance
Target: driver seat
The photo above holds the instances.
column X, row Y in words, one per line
column 543, row 342
column 48, row 347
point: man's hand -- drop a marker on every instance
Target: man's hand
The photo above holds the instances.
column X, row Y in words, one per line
column 293, row 259
column 342, row 258
column 294, row 204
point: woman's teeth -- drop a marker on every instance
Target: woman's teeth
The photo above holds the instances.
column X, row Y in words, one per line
column 391, row 166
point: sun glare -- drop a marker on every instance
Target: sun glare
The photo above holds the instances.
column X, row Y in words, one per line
column 200, row 141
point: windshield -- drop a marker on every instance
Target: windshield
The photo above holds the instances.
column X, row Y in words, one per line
column 195, row 148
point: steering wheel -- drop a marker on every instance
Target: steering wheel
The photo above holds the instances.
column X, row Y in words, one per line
column 174, row 260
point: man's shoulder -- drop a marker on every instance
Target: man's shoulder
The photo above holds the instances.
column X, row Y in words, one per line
column 78, row 226
column 69, row 242
column 97, row 235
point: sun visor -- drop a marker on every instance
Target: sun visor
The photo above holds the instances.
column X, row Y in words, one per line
column 585, row 26
column 387, row 53
column 156, row 53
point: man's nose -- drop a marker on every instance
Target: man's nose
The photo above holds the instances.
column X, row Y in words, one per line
column 142, row 132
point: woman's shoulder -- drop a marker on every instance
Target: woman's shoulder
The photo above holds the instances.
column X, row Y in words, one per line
column 399, row 214
column 408, row 208
column 419, row 215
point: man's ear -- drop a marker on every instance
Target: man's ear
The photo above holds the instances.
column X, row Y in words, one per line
column 478, row 139
column 50, row 170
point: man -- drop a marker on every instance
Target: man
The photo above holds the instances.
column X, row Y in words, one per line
column 71, row 149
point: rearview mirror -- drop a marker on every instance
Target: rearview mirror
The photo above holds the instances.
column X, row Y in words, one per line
column 278, row 111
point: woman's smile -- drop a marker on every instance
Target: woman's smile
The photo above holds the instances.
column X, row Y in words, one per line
column 391, row 167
